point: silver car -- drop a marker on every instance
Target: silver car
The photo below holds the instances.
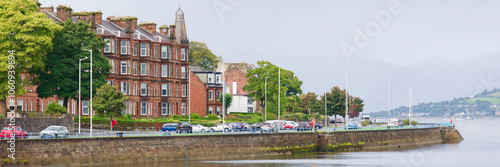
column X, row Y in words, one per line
column 54, row 132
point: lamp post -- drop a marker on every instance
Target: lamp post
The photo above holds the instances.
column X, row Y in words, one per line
column 223, row 96
column 325, row 106
column 189, row 94
column 389, row 96
column 409, row 103
column 279, row 91
column 265, row 99
column 80, row 93
column 90, row 90
column 346, row 101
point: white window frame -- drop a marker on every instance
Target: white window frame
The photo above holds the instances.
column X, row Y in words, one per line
column 164, row 52
column 217, row 79
column 107, row 48
column 85, row 108
column 144, row 108
column 210, row 78
column 210, row 94
column 218, row 110
column 183, row 72
column 183, row 108
column 123, row 67
column 144, row 69
column 210, row 110
column 124, row 87
column 164, row 108
column 134, row 49
column 183, row 54
column 164, row 90
column 134, row 68
column 164, row 70
column 143, row 49
column 183, row 90
column 19, row 104
column 144, row 87
column 124, row 111
column 123, row 47
column 218, row 95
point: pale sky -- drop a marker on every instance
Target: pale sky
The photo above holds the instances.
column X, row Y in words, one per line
column 445, row 49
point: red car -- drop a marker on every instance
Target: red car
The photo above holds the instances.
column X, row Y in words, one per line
column 287, row 126
column 9, row 131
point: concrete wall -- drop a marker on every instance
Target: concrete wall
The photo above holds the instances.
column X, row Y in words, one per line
column 382, row 139
column 137, row 149
column 206, row 147
column 35, row 125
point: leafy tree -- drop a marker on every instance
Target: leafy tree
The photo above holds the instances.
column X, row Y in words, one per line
column 353, row 111
column 229, row 100
column 109, row 102
column 55, row 108
column 290, row 85
column 60, row 75
column 309, row 102
column 200, row 54
column 336, row 102
column 29, row 34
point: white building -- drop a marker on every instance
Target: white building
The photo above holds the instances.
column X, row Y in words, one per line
column 241, row 102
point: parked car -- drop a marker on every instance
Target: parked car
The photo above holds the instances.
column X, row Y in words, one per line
column 287, row 126
column 257, row 126
column 200, row 128
column 169, row 127
column 220, row 128
column 268, row 127
column 393, row 122
column 184, row 127
column 236, row 126
column 279, row 123
column 353, row 125
column 377, row 120
column 13, row 131
column 54, row 132
column 316, row 125
column 292, row 123
column 247, row 126
column 304, row 126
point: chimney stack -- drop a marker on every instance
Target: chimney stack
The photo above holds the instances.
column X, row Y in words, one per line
column 149, row 26
column 164, row 30
column 172, row 33
column 64, row 12
column 48, row 9
column 128, row 23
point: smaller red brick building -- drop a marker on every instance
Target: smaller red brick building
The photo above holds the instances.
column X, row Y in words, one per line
column 206, row 88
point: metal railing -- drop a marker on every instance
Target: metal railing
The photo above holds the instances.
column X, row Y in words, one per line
column 111, row 134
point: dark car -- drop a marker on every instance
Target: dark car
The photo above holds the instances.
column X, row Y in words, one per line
column 304, row 126
column 236, row 126
column 257, row 126
column 169, row 127
column 184, row 127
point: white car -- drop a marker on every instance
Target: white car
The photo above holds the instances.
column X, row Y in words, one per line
column 54, row 132
column 200, row 128
column 220, row 128
column 393, row 122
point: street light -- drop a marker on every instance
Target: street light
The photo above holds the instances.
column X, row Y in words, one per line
column 389, row 96
column 346, row 101
column 223, row 96
column 325, row 106
column 80, row 93
column 265, row 99
column 279, row 91
column 90, row 90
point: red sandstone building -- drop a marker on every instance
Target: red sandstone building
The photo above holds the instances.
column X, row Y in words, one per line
column 148, row 66
column 206, row 88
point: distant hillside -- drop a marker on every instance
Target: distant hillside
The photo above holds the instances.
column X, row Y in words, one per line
column 483, row 104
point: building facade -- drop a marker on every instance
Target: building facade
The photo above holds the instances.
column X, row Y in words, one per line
column 206, row 89
column 148, row 66
column 234, row 73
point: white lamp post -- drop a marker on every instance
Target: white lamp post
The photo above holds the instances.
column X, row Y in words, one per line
column 265, row 99
column 389, row 96
column 346, row 101
column 279, row 91
column 189, row 93
column 90, row 90
column 325, row 105
column 80, row 93
column 223, row 96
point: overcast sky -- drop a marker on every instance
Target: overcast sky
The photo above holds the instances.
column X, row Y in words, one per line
column 407, row 41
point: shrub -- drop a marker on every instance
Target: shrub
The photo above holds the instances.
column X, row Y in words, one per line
column 55, row 108
column 271, row 116
column 195, row 116
column 176, row 116
column 1, row 116
column 128, row 116
column 365, row 123
column 212, row 117
column 231, row 118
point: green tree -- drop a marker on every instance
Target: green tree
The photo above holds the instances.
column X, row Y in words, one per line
column 60, row 75
column 229, row 101
column 335, row 100
column 55, row 108
column 200, row 54
column 109, row 102
column 29, row 34
column 290, row 85
column 309, row 102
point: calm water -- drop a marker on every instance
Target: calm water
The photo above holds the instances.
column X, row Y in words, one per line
column 481, row 147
